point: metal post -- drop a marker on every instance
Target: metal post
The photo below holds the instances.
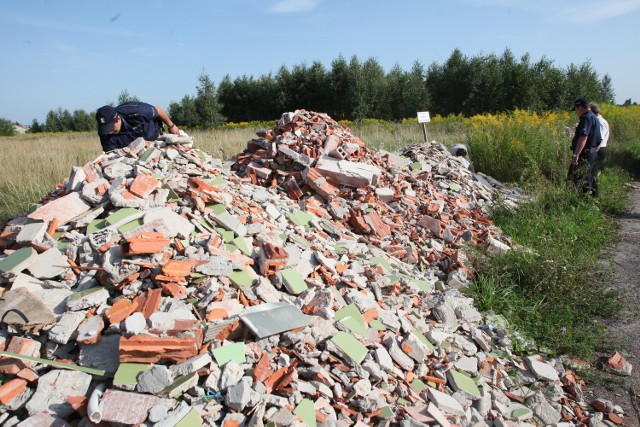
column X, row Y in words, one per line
column 424, row 131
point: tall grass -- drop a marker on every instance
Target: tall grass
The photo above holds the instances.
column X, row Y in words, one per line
column 33, row 164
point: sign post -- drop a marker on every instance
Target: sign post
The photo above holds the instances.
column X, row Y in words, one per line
column 423, row 117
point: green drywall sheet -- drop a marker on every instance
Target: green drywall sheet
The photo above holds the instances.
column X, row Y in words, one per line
column 307, row 412
column 230, row 352
column 350, row 346
column 127, row 373
column 351, row 317
column 130, row 225
column 16, row 258
column 300, row 218
column 380, row 261
column 95, row 225
column 241, row 278
column 121, row 214
column 423, row 340
column 294, row 281
column 465, row 382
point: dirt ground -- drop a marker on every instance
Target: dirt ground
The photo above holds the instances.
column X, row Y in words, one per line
column 623, row 330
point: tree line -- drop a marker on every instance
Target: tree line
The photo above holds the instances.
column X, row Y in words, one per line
column 354, row 89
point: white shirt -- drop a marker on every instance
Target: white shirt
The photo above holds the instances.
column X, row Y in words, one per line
column 604, row 131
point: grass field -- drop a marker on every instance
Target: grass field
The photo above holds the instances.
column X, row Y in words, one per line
column 543, row 290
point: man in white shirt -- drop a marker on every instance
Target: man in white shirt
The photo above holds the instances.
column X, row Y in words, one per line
column 604, row 133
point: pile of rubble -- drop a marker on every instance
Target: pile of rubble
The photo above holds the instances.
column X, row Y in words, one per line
column 158, row 287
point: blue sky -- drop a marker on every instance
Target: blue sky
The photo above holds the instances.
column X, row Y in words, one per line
column 81, row 54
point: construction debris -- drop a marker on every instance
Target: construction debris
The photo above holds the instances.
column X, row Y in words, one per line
column 309, row 281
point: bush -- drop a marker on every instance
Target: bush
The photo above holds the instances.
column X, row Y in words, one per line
column 520, row 146
column 6, row 128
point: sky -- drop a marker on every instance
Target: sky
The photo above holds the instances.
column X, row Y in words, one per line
column 78, row 54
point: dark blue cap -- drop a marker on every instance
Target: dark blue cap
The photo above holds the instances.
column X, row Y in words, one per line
column 106, row 118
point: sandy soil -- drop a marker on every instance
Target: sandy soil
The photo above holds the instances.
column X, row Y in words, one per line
column 623, row 330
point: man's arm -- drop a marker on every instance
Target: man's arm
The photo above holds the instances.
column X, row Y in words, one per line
column 166, row 120
column 582, row 141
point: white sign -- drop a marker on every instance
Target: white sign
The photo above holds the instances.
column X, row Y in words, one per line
column 423, row 117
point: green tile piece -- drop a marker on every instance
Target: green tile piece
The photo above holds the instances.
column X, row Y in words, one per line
column 130, row 225
column 14, row 260
column 423, row 340
column 84, row 293
column 228, row 236
column 241, row 278
column 241, row 244
column 57, row 235
column 464, row 382
column 375, row 261
column 301, row 240
column 203, row 222
column 192, row 419
column 120, row 214
column 307, row 411
column 375, row 323
column 386, row 412
column 423, row 285
column 350, row 346
column 174, row 389
column 455, row 187
column 62, row 245
column 351, row 317
column 300, row 218
column 95, row 225
column 521, row 413
column 218, row 180
column 402, row 401
column 415, row 166
column 284, row 237
column 230, row 352
column 173, row 196
column 418, row 385
column 231, row 248
column 293, row 281
column 127, row 373
column 147, row 154
column 218, row 208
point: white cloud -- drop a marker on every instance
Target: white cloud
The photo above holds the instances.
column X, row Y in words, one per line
column 566, row 11
column 293, row 6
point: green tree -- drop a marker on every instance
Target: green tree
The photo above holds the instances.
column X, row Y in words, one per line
column 6, row 128
column 82, row 121
column 36, row 127
column 125, row 96
column 607, row 95
column 52, row 122
column 337, row 85
column 184, row 112
column 207, row 105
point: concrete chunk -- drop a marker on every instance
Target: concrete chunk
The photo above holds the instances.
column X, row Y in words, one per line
column 348, row 173
column 67, row 325
column 53, row 389
column 178, row 225
column 155, row 379
column 49, row 264
column 63, row 209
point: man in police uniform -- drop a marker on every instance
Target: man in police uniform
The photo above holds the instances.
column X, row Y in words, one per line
column 120, row 126
column 585, row 140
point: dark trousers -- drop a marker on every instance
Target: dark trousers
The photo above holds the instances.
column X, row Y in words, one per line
column 584, row 175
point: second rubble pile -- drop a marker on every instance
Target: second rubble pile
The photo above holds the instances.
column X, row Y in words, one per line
column 419, row 205
column 176, row 293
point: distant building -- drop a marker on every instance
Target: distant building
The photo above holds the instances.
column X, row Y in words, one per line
column 20, row 129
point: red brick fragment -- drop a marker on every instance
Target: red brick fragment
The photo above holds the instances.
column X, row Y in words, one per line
column 120, row 310
column 144, row 185
column 11, row 389
column 157, row 349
